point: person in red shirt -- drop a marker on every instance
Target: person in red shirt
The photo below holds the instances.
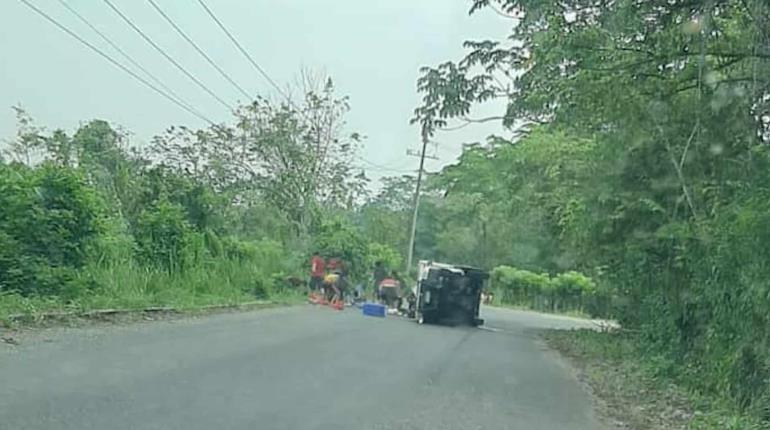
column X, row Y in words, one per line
column 317, row 272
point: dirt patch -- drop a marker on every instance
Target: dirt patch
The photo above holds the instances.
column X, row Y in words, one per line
column 625, row 396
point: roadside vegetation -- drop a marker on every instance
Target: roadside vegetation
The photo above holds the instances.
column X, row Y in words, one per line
column 637, row 155
column 224, row 215
column 631, row 391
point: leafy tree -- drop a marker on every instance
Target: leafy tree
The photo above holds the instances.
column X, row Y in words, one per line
column 638, row 153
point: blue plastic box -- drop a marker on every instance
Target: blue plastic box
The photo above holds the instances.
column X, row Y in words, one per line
column 374, row 310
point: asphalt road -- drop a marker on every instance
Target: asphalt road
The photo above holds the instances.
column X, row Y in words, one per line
column 293, row 368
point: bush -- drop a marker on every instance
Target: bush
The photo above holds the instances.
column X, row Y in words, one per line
column 570, row 291
column 387, row 255
column 521, row 287
column 336, row 237
column 164, row 238
column 571, row 288
column 50, row 218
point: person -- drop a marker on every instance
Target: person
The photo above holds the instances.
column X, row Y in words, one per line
column 331, row 285
column 333, row 264
column 378, row 274
column 341, row 269
column 317, row 272
column 390, row 291
column 401, row 285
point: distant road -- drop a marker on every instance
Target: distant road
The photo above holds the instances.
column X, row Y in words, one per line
column 293, row 368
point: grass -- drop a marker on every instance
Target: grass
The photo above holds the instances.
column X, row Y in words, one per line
column 632, row 391
column 128, row 286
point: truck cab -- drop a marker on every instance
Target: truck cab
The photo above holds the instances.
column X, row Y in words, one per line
column 449, row 294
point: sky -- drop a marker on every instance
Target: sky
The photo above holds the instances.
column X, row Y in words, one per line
column 371, row 49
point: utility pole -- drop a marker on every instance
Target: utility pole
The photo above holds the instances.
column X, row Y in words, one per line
column 410, row 253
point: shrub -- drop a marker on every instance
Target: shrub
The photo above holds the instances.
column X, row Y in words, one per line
column 336, row 237
column 387, row 255
column 164, row 238
column 566, row 291
column 50, row 218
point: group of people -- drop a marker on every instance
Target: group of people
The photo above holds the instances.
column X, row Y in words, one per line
column 328, row 279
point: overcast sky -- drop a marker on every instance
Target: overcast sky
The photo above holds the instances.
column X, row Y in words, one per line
column 372, row 49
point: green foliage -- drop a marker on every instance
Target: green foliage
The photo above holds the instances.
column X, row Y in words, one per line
column 642, row 162
column 565, row 292
column 389, row 257
column 336, row 237
column 49, row 219
column 224, row 214
column 164, row 238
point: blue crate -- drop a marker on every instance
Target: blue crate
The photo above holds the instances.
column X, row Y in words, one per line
column 374, row 310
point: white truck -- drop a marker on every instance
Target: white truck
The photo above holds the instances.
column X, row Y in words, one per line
column 448, row 294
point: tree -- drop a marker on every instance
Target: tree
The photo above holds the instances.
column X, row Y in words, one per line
column 647, row 155
column 28, row 144
column 296, row 155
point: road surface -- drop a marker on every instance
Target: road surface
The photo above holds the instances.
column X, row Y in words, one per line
column 293, row 368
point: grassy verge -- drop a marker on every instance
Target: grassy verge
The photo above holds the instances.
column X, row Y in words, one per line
column 630, row 393
column 128, row 287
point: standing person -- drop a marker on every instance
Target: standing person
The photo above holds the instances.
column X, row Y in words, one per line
column 378, row 274
column 317, row 272
column 333, row 264
column 401, row 285
column 341, row 269
column 390, row 291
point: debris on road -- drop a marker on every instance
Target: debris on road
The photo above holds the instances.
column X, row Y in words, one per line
column 374, row 310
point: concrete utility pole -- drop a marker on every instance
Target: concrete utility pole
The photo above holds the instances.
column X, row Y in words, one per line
column 410, row 253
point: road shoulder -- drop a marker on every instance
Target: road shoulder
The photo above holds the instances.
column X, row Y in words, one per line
column 627, row 394
column 33, row 327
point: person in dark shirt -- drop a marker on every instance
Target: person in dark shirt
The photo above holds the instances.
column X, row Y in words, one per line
column 390, row 291
column 378, row 274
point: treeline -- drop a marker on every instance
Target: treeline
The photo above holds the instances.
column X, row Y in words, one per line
column 639, row 158
column 226, row 214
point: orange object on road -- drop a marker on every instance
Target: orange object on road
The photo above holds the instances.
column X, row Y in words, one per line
column 337, row 304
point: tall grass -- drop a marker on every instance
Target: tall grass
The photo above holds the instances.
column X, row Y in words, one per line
column 131, row 286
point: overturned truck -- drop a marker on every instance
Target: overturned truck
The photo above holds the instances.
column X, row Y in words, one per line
column 449, row 294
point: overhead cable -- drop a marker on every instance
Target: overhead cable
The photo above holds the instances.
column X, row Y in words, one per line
column 115, row 62
column 200, row 51
column 124, row 54
column 167, row 56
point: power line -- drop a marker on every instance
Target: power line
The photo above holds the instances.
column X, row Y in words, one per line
column 114, row 62
column 382, row 167
column 124, row 54
column 243, row 51
column 200, row 51
column 383, row 170
column 166, row 55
